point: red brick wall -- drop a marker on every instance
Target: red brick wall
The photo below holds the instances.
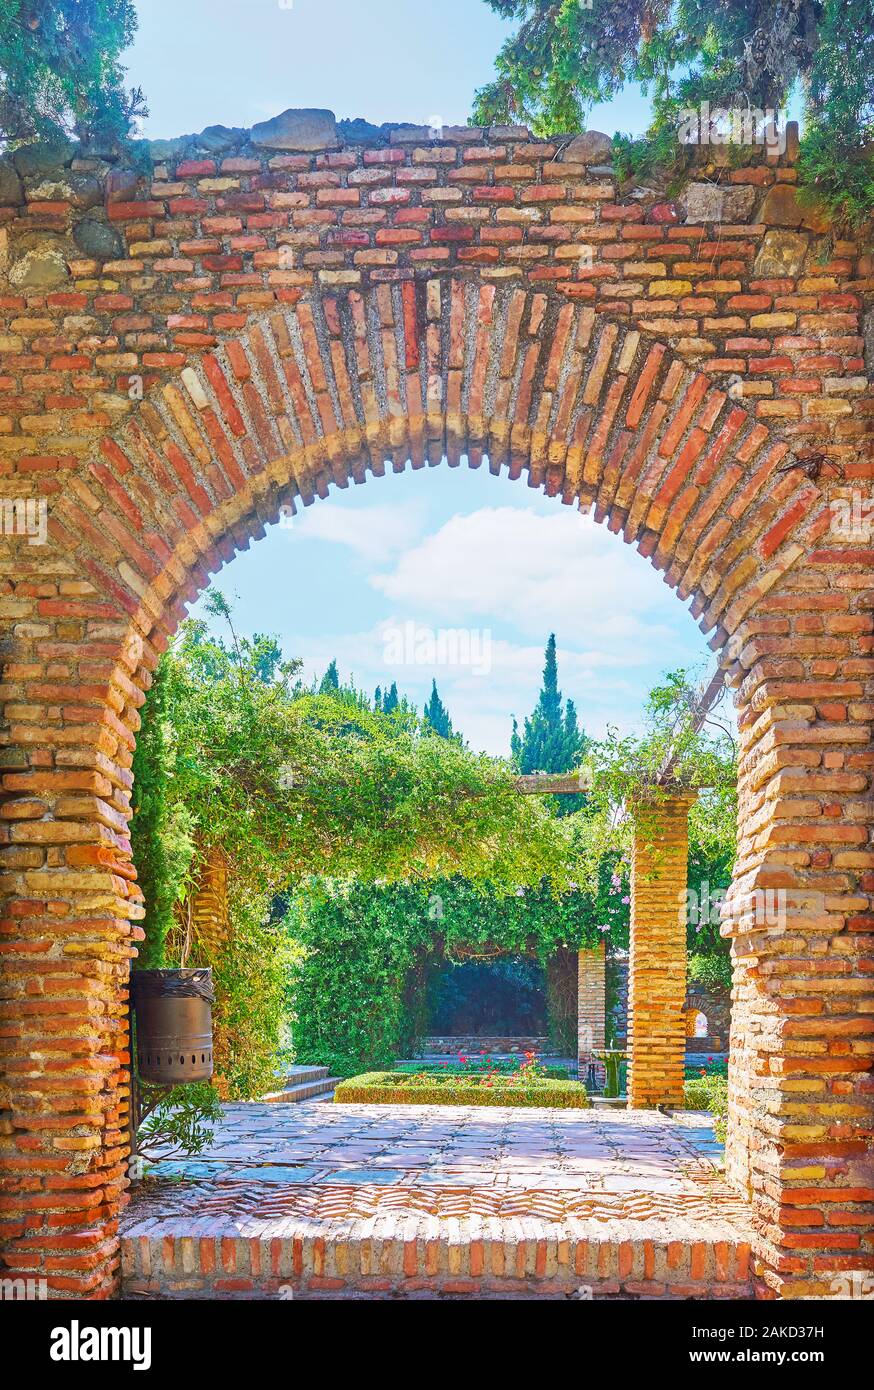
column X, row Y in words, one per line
column 301, row 315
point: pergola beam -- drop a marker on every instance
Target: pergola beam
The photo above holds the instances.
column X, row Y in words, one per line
column 548, row 783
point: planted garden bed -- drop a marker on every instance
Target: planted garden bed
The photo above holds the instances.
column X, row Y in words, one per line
column 441, row 1088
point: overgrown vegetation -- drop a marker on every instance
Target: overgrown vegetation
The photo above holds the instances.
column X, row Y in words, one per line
column 235, row 752
column 368, row 950
column 734, row 54
column 365, row 847
column 175, row 1121
column 60, row 70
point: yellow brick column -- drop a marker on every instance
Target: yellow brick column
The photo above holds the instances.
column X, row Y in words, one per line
column 209, row 905
column 657, row 962
column 591, row 1001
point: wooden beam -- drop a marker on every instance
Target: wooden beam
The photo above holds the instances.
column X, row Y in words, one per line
column 546, row 783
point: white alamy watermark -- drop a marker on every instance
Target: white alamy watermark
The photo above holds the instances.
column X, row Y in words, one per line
column 702, row 906
column 25, row 517
column 853, row 517
column 853, row 1284
column 735, row 125
column 78, row 1343
column 412, row 644
column 23, row 1289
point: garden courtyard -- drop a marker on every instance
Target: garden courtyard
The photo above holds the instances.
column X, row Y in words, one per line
column 315, row 1200
column 435, row 772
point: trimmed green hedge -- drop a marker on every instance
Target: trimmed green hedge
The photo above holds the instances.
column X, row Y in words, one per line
column 387, row 1088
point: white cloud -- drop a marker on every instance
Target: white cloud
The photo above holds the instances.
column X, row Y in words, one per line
column 507, row 577
column 540, row 573
column 375, row 533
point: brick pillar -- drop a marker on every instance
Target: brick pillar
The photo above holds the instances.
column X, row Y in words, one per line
column 657, row 961
column 209, row 904
column 591, row 1001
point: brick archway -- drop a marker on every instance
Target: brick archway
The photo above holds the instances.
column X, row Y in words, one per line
column 401, row 335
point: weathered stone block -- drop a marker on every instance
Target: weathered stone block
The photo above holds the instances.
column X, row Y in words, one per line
column 42, row 267
column 44, row 157
column 592, row 147
column 305, row 129
column 782, row 208
column 11, row 191
column 98, row 239
column 80, row 190
column 713, row 202
column 781, row 254
column 220, row 139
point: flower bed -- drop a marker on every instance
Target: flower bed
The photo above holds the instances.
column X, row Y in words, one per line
column 435, row 1088
column 475, row 1067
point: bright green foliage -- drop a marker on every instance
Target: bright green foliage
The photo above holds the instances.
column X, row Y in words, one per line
column 711, row 971
column 60, row 73
column 393, row 1088
column 709, row 1092
column 176, row 1121
column 359, row 978
column 837, row 162
column 251, row 976
column 289, row 782
column 162, row 828
column 330, row 680
column 362, row 976
column 480, row 1065
column 235, row 753
column 567, row 55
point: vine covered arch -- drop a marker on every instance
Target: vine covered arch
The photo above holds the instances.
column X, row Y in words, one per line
column 280, row 319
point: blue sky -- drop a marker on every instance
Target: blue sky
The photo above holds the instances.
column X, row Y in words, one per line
column 441, row 548
column 234, row 62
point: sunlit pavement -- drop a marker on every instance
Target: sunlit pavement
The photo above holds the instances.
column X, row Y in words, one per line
column 314, row 1200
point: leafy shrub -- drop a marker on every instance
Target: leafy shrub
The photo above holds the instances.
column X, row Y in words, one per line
column 178, row 1121
column 392, row 1088
column 709, row 1093
column 712, row 972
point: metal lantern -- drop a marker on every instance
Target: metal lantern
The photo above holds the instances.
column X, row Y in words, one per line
column 174, row 1025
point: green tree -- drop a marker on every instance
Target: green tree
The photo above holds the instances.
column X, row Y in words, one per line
column 552, row 740
column 60, row 72
column 437, row 715
column 330, row 680
column 565, row 57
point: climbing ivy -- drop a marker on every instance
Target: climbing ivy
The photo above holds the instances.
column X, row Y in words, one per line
column 236, row 752
column 363, row 945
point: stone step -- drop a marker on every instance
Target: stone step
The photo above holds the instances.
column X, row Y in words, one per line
column 305, row 1073
column 321, row 1088
column 410, row 1253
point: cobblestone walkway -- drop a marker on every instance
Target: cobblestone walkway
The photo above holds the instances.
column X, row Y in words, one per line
column 625, row 1190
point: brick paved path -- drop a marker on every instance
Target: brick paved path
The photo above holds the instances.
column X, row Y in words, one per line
column 298, row 1200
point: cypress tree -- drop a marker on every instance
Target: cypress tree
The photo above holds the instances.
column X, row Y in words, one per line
column 552, row 740
column 437, row 715
column 330, row 680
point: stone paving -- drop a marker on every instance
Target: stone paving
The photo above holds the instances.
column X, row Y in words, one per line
column 634, row 1199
